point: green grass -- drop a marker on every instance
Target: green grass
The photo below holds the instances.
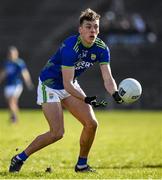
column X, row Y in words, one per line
column 128, row 145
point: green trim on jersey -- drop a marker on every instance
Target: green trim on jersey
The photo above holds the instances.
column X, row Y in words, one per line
column 48, row 64
column 48, row 82
column 87, row 46
column 76, row 46
column 44, row 93
column 67, row 67
column 102, row 63
column 100, row 43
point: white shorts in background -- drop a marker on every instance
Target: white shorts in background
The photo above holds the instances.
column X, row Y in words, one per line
column 46, row 94
column 13, row 90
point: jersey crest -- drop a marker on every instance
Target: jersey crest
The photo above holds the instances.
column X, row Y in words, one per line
column 93, row 57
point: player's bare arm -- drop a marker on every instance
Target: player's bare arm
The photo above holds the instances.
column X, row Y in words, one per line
column 27, row 79
column 68, row 76
column 109, row 82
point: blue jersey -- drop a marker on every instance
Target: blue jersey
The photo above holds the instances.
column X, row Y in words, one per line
column 13, row 71
column 72, row 53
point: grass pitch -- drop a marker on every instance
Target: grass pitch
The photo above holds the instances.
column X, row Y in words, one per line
column 128, row 144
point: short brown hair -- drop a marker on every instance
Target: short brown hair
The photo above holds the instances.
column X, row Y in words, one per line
column 88, row 15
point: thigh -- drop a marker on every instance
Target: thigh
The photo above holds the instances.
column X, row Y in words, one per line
column 18, row 91
column 13, row 91
column 54, row 115
column 82, row 111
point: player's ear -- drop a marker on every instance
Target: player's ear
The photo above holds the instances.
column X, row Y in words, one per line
column 99, row 30
column 79, row 29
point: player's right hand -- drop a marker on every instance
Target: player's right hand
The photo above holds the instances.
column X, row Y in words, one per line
column 93, row 101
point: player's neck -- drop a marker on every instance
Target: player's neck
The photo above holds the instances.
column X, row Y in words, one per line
column 85, row 44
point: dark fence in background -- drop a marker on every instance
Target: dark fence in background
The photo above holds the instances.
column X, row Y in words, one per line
column 37, row 27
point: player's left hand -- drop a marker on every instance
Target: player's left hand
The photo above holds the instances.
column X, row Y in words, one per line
column 117, row 98
column 93, row 101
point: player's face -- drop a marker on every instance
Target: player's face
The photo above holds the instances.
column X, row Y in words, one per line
column 13, row 55
column 89, row 31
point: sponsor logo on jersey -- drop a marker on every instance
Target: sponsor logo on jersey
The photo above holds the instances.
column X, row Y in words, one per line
column 83, row 65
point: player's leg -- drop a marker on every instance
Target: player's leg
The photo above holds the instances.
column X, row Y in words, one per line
column 84, row 113
column 12, row 94
column 54, row 116
column 52, row 110
column 13, row 108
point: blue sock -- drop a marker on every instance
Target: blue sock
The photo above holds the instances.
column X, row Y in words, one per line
column 22, row 156
column 82, row 161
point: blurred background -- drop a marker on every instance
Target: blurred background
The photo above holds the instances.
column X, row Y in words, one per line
column 131, row 29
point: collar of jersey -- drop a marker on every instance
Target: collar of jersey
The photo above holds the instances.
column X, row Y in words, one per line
column 86, row 46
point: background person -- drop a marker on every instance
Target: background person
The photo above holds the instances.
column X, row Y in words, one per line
column 13, row 71
column 58, row 86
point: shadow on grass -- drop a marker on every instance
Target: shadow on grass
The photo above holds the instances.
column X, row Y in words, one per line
column 130, row 167
column 4, row 173
column 122, row 167
column 36, row 174
column 41, row 173
column 153, row 166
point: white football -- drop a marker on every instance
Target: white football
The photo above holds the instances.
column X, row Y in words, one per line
column 130, row 90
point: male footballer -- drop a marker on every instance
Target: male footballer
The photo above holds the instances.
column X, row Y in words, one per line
column 58, row 87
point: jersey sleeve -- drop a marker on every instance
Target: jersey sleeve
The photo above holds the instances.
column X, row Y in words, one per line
column 104, row 56
column 68, row 56
column 22, row 64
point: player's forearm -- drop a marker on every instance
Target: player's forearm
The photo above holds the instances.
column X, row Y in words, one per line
column 110, row 86
column 70, row 88
column 27, row 79
column 30, row 85
column 28, row 82
column 109, row 82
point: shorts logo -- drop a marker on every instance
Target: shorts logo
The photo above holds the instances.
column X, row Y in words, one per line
column 51, row 95
column 93, row 56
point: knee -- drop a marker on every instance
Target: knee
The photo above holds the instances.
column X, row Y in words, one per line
column 56, row 135
column 92, row 125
